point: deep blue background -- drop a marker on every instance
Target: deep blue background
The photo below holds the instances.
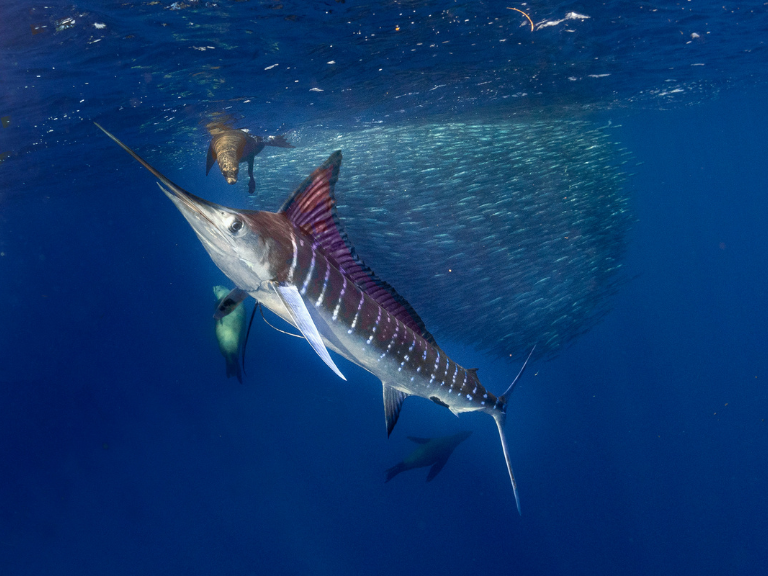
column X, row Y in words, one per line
column 641, row 449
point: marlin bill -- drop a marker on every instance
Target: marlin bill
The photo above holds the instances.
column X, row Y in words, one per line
column 299, row 263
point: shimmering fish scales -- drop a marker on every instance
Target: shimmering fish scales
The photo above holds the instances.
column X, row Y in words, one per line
column 300, row 264
column 230, row 147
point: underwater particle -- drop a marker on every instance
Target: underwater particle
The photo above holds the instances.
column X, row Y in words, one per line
column 568, row 16
column 99, row 25
column 4, row 155
column 37, row 28
column 6, row 120
column 64, row 24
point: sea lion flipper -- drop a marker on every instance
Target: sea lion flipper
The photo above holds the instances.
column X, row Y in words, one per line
column 211, row 158
column 278, row 141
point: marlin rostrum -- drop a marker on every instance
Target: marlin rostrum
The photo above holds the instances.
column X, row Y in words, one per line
column 230, row 147
column 299, row 263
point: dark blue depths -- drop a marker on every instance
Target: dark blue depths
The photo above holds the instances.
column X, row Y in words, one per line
column 639, row 449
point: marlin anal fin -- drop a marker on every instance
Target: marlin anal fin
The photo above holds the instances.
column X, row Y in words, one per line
column 293, row 302
column 211, row 159
column 227, row 304
column 393, row 401
column 437, row 466
column 499, row 419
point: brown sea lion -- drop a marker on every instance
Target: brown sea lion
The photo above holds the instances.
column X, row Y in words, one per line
column 230, row 147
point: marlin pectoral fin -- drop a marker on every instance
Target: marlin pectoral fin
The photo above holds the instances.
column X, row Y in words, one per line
column 436, row 467
column 393, row 401
column 211, row 159
column 293, row 302
column 227, row 304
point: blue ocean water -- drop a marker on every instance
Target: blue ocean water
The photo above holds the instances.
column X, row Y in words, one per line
column 642, row 447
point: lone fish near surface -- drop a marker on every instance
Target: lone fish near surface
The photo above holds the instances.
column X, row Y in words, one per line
column 229, row 147
column 299, row 263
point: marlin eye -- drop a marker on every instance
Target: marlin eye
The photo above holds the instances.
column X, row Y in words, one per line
column 236, row 226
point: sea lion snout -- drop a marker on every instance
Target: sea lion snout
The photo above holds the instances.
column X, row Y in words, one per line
column 230, row 174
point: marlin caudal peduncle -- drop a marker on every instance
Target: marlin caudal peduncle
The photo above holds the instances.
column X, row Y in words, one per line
column 300, row 264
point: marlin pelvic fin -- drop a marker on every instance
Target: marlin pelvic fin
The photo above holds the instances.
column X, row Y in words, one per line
column 393, row 402
column 293, row 302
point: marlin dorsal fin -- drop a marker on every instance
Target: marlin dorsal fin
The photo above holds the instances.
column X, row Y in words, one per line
column 312, row 207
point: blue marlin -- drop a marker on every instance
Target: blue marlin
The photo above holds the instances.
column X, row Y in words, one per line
column 300, row 264
column 432, row 452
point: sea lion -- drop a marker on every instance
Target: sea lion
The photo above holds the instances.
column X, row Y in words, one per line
column 432, row 452
column 229, row 333
column 230, row 147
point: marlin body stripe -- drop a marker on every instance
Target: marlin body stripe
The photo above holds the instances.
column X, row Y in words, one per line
column 299, row 263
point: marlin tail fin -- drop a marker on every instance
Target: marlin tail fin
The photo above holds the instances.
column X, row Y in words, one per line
column 498, row 417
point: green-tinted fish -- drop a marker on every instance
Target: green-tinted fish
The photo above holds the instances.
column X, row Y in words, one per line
column 229, row 332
